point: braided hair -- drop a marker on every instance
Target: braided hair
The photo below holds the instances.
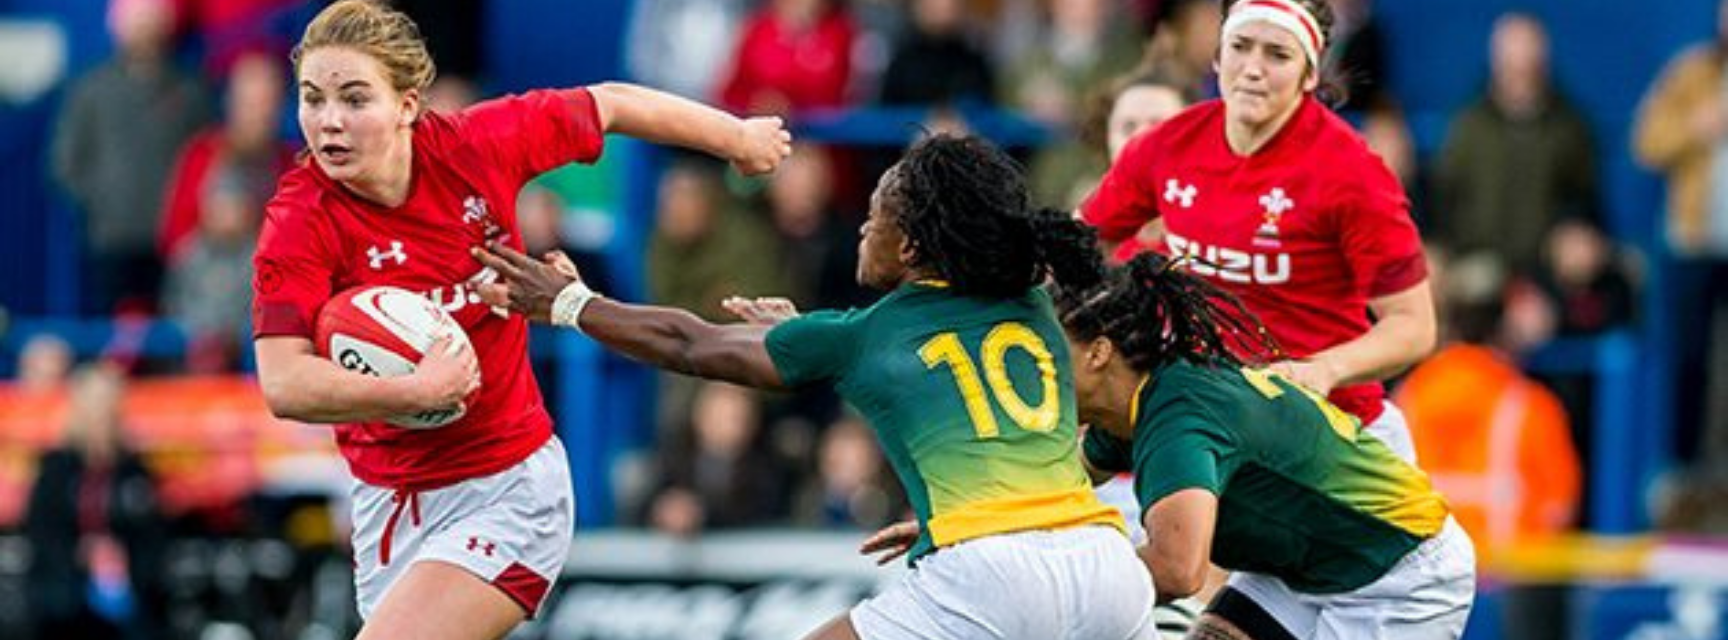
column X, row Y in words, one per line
column 1156, row 313
column 963, row 206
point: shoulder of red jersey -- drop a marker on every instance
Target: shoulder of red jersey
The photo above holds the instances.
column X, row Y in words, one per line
column 1186, row 130
column 298, row 191
column 436, row 128
column 1338, row 137
column 299, row 214
column 1192, row 124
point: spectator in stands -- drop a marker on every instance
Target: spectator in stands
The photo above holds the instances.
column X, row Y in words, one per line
column 248, row 145
column 852, row 489
column 1518, row 160
column 209, row 289
column 936, row 62
column 1585, row 277
column 43, row 363
column 540, row 213
column 703, row 249
column 793, row 55
column 1588, row 290
column 720, row 474
column 682, row 46
column 94, row 525
column 817, row 248
column 113, row 146
column 1682, row 131
column 1129, row 106
column 228, row 30
column 1087, row 44
column 1184, row 45
column 1496, row 442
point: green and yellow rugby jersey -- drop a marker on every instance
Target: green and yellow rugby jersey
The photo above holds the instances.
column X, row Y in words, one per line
column 1303, row 494
column 971, row 398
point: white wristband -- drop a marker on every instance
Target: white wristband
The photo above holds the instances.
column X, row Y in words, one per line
column 567, row 307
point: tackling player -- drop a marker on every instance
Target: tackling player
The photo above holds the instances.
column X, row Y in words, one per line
column 458, row 531
column 1285, row 207
column 964, row 374
column 1329, row 534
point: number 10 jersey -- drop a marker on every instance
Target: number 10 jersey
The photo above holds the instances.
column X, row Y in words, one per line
column 972, row 401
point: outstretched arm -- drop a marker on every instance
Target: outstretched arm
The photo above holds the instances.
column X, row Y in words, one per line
column 667, row 338
column 753, row 145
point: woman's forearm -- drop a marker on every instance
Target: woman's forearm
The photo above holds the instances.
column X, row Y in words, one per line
column 677, row 340
column 1400, row 337
column 664, row 118
column 299, row 385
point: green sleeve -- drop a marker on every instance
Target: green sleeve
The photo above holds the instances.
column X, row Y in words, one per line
column 1181, row 452
column 1106, row 452
column 813, row 347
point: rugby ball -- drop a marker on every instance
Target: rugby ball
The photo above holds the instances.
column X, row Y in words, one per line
column 383, row 331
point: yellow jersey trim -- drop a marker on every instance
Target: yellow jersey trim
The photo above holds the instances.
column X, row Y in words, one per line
column 1134, row 405
column 1057, row 510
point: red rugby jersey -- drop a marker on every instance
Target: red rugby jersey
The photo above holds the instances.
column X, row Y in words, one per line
column 318, row 239
column 1305, row 231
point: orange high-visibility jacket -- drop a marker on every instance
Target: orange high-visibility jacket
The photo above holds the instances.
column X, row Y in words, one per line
column 1495, row 443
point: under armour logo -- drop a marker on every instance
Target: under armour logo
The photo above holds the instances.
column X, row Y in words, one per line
column 482, row 546
column 1177, row 192
column 473, row 209
column 377, row 256
column 1276, row 203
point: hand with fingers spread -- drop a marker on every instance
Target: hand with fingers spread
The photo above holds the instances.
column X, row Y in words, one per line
column 762, row 143
column 893, row 541
column 527, row 286
column 446, row 376
column 765, row 311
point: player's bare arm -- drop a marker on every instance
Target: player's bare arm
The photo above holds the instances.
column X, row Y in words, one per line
column 1402, row 334
column 672, row 339
column 300, row 385
column 1178, row 547
column 753, row 145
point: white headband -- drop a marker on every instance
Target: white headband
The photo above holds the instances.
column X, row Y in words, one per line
column 1284, row 14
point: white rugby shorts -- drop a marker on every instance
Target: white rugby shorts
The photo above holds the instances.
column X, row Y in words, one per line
column 512, row 529
column 1081, row 583
column 1425, row 596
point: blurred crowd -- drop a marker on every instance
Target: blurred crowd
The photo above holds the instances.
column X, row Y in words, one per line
column 170, row 157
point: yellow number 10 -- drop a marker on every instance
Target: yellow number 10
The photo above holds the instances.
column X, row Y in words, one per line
column 945, row 349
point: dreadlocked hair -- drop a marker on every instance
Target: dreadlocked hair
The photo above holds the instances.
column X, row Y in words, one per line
column 1156, row 313
column 1067, row 248
column 963, row 205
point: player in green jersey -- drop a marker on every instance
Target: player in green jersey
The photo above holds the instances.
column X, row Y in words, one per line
column 1329, row 533
column 964, row 373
